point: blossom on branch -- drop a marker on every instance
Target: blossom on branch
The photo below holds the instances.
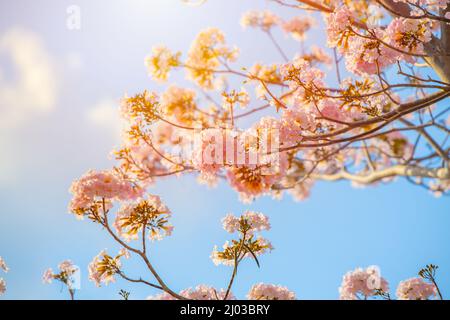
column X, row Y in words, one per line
column 263, row 291
column 147, row 214
column 415, row 289
column 104, row 267
column 362, row 284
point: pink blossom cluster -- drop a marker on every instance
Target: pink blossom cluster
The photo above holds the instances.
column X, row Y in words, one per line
column 3, row 265
column 300, row 70
column 5, row 268
column 66, row 269
column 368, row 56
column 161, row 296
column 95, row 273
column 263, row 291
column 204, row 292
column 48, row 276
column 213, row 150
column 205, row 55
column 409, row 34
column 337, row 24
column 2, row 286
column 260, row 19
column 256, row 220
column 360, row 282
column 130, row 114
column 97, row 185
column 129, row 222
column 201, row 292
column 251, row 168
column 415, row 289
column 378, row 48
column 141, row 159
column 318, row 54
column 298, row 26
column 178, row 103
column 218, row 259
column 103, row 267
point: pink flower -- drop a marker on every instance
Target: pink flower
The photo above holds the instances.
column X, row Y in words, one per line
column 301, row 191
column 161, row 296
column 213, row 149
column 2, row 286
column 409, row 34
column 201, row 292
column 300, row 70
column 223, row 257
column 48, row 276
column 362, row 282
column 124, row 253
column 251, row 181
column 366, row 56
column 337, row 24
column 294, row 123
column 204, row 292
column 260, row 19
column 103, row 268
column 67, row 267
column 263, row 291
column 330, row 109
column 257, row 222
column 149, row 213
column 3, row 265
column 319, row 55
column 298, row 26
column 98, row 185
column 179, row 103
column 415, row 289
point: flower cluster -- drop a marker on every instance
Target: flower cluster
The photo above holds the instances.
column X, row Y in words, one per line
column 179, row 103
column 200, row 292
column 260, row 19
column 148, row 214
column 298, row 26
column 247, row 246
column 204, row 292
column 66, row 275
column 161, row 62
column 98, row 188
column 372, row 50
column 104, row 267
column 248, row 223
column 5, row 268
column 141, row 108
column 263, row 291
column 234, row 97
column 409, row 34
column 362, row 283
column 206, row 54
column 415, row 289
column 66, row 270
column 3, row 265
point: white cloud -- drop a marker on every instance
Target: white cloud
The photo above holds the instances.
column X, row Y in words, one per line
column 34, row 88
column 105, row 115
column 30, row 91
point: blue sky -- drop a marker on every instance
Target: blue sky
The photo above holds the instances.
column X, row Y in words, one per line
column 63, row 124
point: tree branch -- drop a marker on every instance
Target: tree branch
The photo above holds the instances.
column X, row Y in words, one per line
column 397, row 170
